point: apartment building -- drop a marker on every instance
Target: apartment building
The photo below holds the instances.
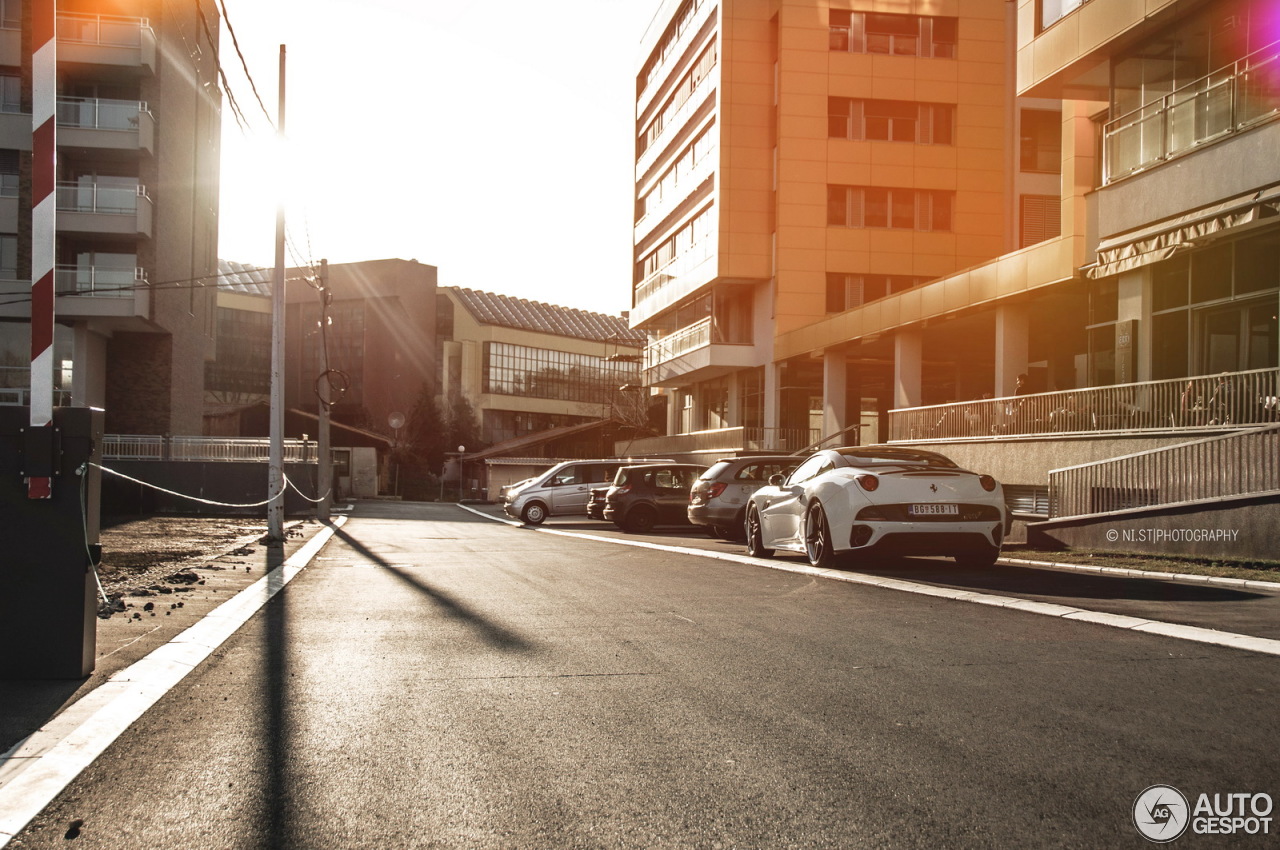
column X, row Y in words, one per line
column 529, row 367
column 138, row 125
column 807, row 172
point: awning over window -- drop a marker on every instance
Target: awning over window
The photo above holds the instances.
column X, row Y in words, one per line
column 1136, row 248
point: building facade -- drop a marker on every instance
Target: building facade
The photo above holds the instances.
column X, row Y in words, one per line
column 138, row 127
column 375, row 329
column 527, row 367
column 809, row 161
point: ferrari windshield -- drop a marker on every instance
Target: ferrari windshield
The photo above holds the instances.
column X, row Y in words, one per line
column 892, row 456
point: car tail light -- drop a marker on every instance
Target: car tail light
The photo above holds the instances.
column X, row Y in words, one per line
column 869, row 482
column 988, row 483
column 716, row 489
column 625, row 488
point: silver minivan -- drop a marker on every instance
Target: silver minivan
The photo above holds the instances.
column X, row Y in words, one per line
column 562, row 490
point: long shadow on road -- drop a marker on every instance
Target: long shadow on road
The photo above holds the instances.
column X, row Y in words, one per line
column 494, row 634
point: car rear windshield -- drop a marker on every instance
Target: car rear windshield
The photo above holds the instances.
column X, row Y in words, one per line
column 717, row 468
column 894, row 456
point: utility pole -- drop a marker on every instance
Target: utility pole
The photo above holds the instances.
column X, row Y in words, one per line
column 325, row 484
column 275, row 480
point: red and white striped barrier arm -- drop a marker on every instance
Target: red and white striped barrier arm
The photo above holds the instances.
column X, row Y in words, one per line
column 44, row 157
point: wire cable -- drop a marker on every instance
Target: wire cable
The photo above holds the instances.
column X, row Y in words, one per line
column 84, row 525
column 226, row 19
column 183, row 495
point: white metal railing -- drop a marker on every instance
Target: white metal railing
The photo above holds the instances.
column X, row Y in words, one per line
column 681, row 188
column 1216, row 105
column 671, row 125
column 113, row 30
column 98, row 281
column 1210, row 402
column 728, row 440
column 100, row 114
column 94, row 198
column 679, row 342
column 156, row 447
column 675, row 267
column 1229, row 465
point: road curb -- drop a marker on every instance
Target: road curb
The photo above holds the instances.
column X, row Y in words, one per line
column 38, row 768
column 1197, row 634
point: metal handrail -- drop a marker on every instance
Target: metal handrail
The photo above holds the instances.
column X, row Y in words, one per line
column 97, row 113
column 1240, row 464
column 1229, row 401
column 111, row 30
column 228, row 449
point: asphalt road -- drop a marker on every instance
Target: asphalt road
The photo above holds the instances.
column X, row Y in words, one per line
column 435, row 679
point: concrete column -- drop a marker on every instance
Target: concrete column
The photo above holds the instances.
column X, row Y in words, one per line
column 88, row 368
column 835, row 398
column 674, row 405
column 1012, row 344
column 907, row 360
column 699, row 415
column 733, row 413
column 772, row 404
column 1133, row 293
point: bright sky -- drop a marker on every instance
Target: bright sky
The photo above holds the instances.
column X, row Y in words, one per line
column 491, row 140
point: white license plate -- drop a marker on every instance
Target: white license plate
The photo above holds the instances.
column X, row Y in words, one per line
column 933, row 510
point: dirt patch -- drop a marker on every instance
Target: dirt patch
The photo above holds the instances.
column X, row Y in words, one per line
column 137, row 553
column 1248, row 570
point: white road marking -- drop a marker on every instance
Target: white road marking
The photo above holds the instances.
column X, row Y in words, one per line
column 36, row 769
column 1120, row 621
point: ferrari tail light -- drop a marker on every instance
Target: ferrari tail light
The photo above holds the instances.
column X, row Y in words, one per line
column 868, row 482
column 988, row 483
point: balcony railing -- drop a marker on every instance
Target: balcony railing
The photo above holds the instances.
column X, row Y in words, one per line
column 1219, row 104
column 680, row 342
column 99, row 114
column 1228, row 401
column 675, row 268
column 98, row 281
column 1230, row 465
column 112, row 30
column 149, row 447
column 94, row 198
column 727, row 440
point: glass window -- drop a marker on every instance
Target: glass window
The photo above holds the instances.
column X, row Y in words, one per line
column 809, row 469
column 1211, row 274
column 1258, row 263
column 1040, row 148
column 1169, row 283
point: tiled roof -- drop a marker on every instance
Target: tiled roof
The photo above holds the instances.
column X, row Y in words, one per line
column 492, row 309
column 237, row 277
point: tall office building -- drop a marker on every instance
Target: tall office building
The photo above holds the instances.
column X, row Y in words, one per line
column 138, row 125
column 803, row 159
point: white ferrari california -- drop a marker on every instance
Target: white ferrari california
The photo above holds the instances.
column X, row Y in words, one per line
column 892, row 500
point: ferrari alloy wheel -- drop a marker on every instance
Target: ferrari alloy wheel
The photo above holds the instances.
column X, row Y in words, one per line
column 817, row 537
column 755, row 535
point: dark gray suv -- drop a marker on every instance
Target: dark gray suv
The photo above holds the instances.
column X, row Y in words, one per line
column 650, row 495
column 719, row 498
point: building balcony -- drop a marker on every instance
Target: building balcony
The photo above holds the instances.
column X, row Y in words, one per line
column 114, row 40
column 673, row 51
column 1215, row 107
column 109, row 298
column 692, row 354
column 702, row 95
column 93, row 208
column 679, row 278
column 95, row 123
column 718, row 441
column 695, row 182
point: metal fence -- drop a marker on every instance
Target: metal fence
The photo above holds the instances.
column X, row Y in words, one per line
column 727, row 440
column 1238, row 464
column 153, row 447
column 1211, row 402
